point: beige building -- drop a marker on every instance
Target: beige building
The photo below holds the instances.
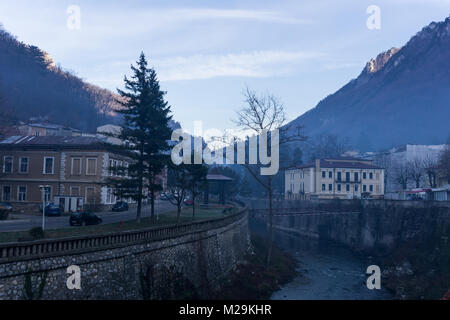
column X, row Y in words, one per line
column 75, row 169
column 343, row 178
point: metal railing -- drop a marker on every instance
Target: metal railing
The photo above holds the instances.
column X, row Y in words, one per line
column 54, row 247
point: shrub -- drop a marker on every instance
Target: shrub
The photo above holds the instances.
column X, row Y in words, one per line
column 4, row 214
column 37, row 233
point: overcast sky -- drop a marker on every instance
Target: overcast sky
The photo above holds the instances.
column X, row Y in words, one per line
column 206, row 52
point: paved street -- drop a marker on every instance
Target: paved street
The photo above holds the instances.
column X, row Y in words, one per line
column 29, row 222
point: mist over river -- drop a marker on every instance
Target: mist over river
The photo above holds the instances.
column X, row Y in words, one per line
column 326, row 271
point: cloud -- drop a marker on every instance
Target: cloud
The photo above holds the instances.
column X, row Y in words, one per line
column 250, row 64
column 203, row 14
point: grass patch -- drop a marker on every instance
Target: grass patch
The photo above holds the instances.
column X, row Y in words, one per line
column 253, row 280
column 165, row 219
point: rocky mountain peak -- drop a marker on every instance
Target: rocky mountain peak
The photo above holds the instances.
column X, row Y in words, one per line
column 377, row 63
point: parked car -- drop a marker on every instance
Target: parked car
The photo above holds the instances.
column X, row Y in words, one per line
column 52, row 210
column 5, row 206
column 84, row 218
column 120, row 206
column 165, row 196
column 188, row 202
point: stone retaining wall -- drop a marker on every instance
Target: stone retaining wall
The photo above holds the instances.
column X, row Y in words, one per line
column 199, row 259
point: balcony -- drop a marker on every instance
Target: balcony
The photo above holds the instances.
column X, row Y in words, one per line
column 348, row 181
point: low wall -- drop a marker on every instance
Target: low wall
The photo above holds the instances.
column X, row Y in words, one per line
column 129, row 265
column 371, row 226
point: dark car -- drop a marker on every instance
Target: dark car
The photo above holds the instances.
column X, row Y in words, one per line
column 52, row 210
column 120, row 206
column 6, row 206
column 188, row 202
column 83, row 218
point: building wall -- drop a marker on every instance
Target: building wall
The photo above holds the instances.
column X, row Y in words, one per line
column 311, row 180
column 67, row 177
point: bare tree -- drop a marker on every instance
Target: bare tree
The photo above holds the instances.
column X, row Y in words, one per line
column 444, row 164
column 401, row 174
column 416, row 170
column 265, row 113
column 430, row 169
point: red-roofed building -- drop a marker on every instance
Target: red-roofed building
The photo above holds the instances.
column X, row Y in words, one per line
column 343, row 177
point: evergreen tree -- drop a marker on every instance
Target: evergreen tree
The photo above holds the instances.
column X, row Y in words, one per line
column 145, row 129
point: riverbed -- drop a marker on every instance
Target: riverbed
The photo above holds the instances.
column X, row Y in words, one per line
column 326, row 271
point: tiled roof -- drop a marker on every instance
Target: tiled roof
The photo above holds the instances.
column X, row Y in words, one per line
column 339, row 163
column 217, row 177
column 49, row 141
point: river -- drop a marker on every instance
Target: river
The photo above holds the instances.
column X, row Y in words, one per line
column 326, row 271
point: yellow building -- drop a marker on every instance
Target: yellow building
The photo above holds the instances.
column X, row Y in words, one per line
column 330, row 178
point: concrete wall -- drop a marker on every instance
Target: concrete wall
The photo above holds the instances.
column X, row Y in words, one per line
column 370, row 226
column 147, row 269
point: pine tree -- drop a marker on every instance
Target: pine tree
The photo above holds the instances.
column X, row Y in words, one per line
column 146, row 130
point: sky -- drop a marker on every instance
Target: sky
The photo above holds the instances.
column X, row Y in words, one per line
column 206, row 52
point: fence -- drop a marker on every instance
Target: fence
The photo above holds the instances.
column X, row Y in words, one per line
column 55, row 247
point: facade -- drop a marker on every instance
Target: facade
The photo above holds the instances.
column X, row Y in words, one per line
column 335, row 178
column 74, row 168
column 47, row 129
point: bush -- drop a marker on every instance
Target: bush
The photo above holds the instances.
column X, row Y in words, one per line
column 4, row 214
column 37, row 233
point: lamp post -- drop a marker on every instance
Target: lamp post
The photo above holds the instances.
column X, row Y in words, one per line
column 43, row 190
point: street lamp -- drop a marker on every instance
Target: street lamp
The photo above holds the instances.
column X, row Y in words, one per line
column 43, row 190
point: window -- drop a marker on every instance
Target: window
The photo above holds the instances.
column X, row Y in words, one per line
column 377, row 176
column 339, row 177
column 339, row 187
column 111, row 169
column 7, row 164
column 76, row 167
column 48, row 194
column 347, row 176
column 90, row 195
column 330, row 187
column 23, row 165
column 323, row 174
column 371, row 175
column 6, row 193
column 48, row 165
column 109, row 195
column 330, row 174
column 378, row 188
column 356, row 176
column 364, row 175
column 371, row 188
column 364, row 188
column 21, row 193
column 91, row 166
column 356, row 188
column 75, row 191
column 323, row 187
column 347, row 188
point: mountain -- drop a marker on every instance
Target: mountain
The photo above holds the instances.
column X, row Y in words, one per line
column 31, row 85
column 401, row 96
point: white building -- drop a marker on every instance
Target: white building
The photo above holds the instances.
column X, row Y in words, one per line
column 343, row 177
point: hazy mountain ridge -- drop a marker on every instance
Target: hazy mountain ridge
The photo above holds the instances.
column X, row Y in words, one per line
column 401, row 96
column 31, row 85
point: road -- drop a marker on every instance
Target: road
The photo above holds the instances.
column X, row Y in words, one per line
column 63, row 222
